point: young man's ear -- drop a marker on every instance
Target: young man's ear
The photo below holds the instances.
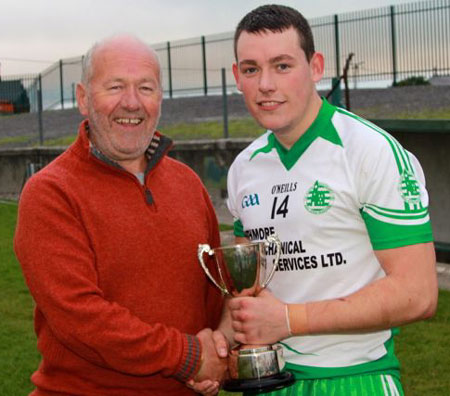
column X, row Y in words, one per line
column 317, row 65
column 236, row 76
column 82, row 99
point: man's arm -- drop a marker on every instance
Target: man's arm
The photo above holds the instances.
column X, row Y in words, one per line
column 58, row 262
column 407, row 293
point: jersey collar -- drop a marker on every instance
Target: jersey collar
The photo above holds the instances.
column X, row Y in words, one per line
column 321, row 127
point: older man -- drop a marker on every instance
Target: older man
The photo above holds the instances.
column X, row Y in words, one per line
column 107, row 236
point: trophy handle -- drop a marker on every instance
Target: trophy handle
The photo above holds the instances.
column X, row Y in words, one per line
column 202, row 249
column 272, row 239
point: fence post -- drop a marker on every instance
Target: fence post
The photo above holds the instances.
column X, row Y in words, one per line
column 225, row 104
column 394, row 47
column 169, row 67
column 61, row 82
column 336, row 43
column 205, row 80
column 39, row 98
column 73, row 95
column 336, row 92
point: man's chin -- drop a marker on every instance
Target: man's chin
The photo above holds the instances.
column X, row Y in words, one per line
column 130, row 147
column 125, row 153
column 130, row 154
column 267, row 121
column 272, row 126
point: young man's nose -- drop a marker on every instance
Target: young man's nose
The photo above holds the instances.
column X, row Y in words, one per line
column 266, row 81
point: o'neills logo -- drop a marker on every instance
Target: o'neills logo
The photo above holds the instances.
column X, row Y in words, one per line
column 319, row 198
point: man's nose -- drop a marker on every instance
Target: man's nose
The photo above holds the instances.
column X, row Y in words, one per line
column 130, row 99
column 266, row 81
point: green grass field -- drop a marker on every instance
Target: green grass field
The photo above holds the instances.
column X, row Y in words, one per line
column 422, row 347
column 18, row 354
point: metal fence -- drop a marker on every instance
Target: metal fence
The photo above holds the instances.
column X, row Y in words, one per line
column 389, row 44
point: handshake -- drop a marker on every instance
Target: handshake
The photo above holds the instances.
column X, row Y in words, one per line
column 214, row 366
column 253, row 321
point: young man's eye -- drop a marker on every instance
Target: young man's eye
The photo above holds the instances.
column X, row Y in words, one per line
column 283, row 66
column 249, row 70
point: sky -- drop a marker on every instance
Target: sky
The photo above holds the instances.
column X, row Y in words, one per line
column 37, row 33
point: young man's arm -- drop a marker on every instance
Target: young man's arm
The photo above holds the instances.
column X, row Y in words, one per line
column 407, row 293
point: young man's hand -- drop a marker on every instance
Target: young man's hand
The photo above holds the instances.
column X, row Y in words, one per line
column 259, row 320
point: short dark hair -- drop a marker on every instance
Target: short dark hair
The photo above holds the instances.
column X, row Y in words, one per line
column 277, row 18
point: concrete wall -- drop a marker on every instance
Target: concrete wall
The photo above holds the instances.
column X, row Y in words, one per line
column 14, row 163
column 428, row 140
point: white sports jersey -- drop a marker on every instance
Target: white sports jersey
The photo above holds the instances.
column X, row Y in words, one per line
column 344, row 189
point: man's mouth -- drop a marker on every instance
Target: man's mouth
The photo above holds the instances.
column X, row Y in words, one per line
column 269, row 104
column 129, row 121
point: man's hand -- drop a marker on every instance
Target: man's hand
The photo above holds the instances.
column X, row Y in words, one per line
column 214, row 363
column 258, row 320
column 206, row 387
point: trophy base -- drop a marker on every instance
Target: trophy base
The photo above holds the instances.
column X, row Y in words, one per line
column 258, row 385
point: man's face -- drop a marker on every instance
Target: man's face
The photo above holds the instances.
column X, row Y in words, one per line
column 277, row 81
column 122, row 100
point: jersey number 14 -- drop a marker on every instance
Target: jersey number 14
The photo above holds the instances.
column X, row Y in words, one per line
column 282, row 209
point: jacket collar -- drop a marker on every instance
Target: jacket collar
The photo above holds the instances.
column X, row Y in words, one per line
column 157, row 149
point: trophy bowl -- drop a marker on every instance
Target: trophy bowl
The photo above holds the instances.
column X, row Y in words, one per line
column 244, row 270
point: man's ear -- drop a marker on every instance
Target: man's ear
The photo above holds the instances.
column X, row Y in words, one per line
column 317, row 65
column 236, row 76
column 82, row 99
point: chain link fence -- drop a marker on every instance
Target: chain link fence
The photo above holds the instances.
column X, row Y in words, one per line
column 389, row 44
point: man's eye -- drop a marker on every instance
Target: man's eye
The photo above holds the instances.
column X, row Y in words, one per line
column 114, row 88
column 146, row 88
column 283, row 66
column 249, row 70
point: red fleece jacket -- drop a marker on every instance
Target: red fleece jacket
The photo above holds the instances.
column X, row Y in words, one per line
column 118, row 288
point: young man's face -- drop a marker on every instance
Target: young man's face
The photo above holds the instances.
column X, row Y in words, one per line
column 277, row 81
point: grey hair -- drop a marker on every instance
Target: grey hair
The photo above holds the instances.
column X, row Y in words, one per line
column 86, row 60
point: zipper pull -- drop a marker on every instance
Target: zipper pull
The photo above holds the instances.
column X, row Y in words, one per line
column 148, row 196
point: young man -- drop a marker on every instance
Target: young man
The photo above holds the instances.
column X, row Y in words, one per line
column 109, row 250
column 350, row 207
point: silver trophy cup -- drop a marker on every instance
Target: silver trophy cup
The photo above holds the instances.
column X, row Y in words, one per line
column 244, row 270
